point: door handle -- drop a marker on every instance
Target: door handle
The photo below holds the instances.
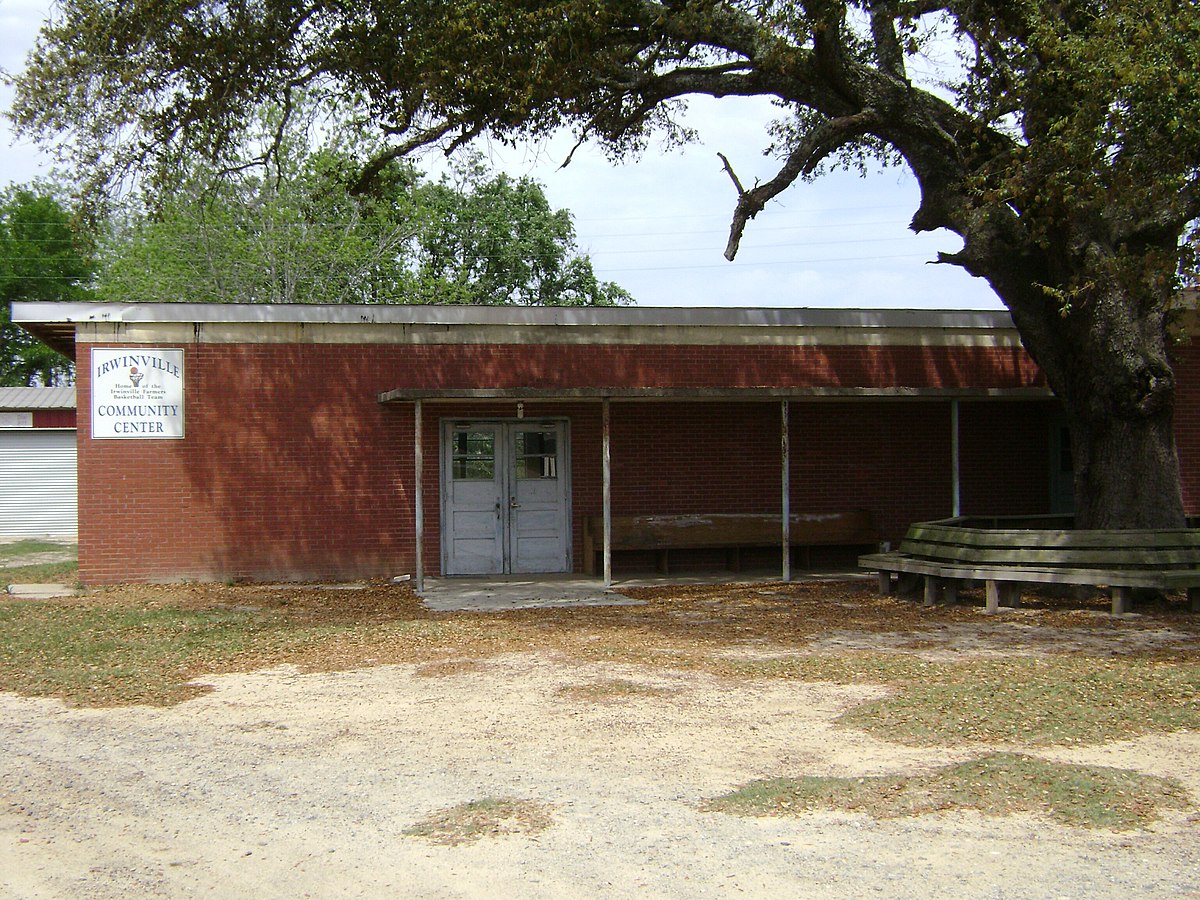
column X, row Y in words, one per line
column 513, row 504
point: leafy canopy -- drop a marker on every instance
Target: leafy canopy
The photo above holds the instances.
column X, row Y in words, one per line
column 1056, row 112
column 292, row 232
column 42, row 257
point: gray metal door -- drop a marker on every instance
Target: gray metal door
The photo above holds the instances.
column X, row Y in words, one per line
column 38, row 483
column 505, row 498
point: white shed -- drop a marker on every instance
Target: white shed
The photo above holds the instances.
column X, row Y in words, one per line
column 38, row 482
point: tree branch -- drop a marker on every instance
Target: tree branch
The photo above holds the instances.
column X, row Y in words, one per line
column 887, row 42
column 377, row 164
column 817, row 145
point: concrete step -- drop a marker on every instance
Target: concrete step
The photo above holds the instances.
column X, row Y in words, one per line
column 40, row 591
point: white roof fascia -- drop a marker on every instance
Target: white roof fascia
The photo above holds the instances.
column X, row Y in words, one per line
column 589, row 316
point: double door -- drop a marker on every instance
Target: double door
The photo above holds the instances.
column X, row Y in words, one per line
column 505, row 498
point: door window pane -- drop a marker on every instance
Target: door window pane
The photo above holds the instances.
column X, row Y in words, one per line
column 474, row 456
column 537, row 454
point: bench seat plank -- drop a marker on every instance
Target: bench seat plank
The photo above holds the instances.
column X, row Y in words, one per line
column 893, row 562
column 1160, row 538
column 1132, row 557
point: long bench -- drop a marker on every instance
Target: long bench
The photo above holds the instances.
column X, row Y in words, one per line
column 949, row 552
column 731, row 532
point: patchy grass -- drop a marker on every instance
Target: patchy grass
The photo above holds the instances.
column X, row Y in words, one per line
column 999, row 784
column 448, row 668
column 489, row 817
column 1036, row 702
column 1052, row 675
column 41, row 573
column 611, row 690
column 30, row 547
column 108, row 656
column 145, row 645
column 38, row 562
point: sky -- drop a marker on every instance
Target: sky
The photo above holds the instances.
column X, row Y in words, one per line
column 658, row 226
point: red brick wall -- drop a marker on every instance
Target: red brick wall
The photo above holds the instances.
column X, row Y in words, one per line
column 669, row 366
column 891, row 458
column 1004, row 457
column 54, row 418
column 292, row 469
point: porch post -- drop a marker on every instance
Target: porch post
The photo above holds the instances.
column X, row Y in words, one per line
column 606, row 467
column 955, row 473
column 786, row 480
column 418, row 496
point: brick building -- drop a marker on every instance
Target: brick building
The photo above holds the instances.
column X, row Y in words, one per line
column 283, row 442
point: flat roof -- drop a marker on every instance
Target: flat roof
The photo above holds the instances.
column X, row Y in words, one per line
column 55, row 322
column 400, row 314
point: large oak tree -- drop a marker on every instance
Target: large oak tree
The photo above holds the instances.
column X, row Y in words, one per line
column 1062, row 144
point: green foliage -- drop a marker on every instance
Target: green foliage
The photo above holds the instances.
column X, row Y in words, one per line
column 496, row 240
column 1062, row 114
column 1076, row 122
column 255, row 238
column 43, row 256
column 299, row 230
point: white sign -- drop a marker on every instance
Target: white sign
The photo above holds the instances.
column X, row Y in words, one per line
column 16, row 420
column 137, row 393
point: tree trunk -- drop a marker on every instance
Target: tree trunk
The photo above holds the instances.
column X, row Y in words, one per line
column 1107, row 359
column 1126, row 473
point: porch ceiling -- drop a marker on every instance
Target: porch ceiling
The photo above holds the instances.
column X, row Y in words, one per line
column 734, row 394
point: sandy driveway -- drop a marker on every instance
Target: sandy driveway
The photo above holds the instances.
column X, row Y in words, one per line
column 278, row 784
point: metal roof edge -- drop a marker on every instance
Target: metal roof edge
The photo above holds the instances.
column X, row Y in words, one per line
column 42, row 312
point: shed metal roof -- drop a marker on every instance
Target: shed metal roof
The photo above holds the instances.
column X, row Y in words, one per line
column 28, row 398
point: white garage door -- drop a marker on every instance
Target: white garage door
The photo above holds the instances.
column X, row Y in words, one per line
column 38, row 483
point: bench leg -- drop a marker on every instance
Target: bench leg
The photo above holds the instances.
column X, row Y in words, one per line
column 993, row 597
column 1122, row 600
column 883, row 581
column 933, row 589
column 664, row 567
column 1194, row 599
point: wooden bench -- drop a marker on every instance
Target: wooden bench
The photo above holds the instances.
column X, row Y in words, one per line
column 725, row 531
column 949, row 552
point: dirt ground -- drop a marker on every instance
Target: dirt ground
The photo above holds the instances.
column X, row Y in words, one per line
column 284, row 782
